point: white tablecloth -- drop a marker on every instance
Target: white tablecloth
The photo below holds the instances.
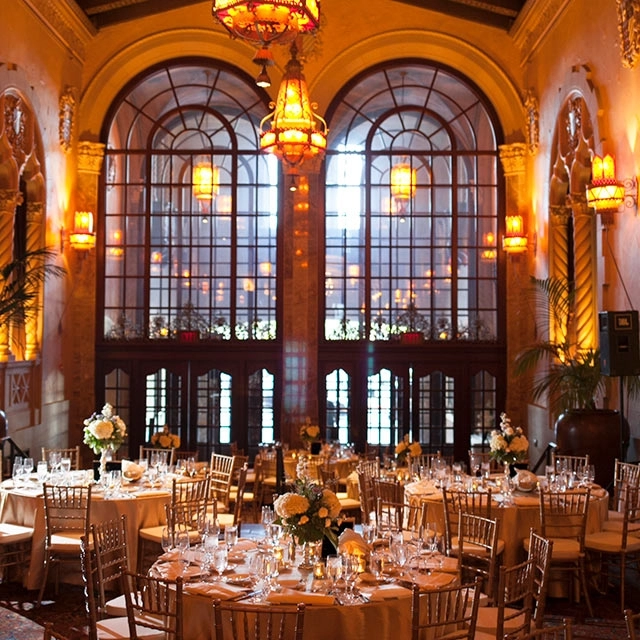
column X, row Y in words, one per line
column 26, row 507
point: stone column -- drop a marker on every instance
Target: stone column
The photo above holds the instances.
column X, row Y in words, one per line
column 35, row 213
column 9, row 200
column 82, row 306
column 559, row 256
column 513, row 158
column 301, row 293
column 585, row 277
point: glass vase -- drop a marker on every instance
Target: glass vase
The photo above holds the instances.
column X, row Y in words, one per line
column 309, row 558
column 106, row 455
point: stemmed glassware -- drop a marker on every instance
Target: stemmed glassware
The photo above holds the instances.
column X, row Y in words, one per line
column 334, row 569
column 16, row 471
column 220, row 560
column 350, row 570
column 268, row 516
column 167, row 539
column 474, row 462
column 183, row 545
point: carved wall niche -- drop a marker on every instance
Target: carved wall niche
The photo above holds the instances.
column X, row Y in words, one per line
column 66, row 118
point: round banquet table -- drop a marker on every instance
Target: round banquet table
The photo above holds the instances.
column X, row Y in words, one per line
column 386, row 615
column 25, row 506
column 515, row 520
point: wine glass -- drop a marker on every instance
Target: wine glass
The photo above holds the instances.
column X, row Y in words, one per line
column 183, row 544
column 42, row 471
column 350, row 569
column 27, row 466
column 65, row 465
column 54, row 460
column 474, row 462
column 268, row 517
column 231, row 535
column 16, row 471
column 167, row 539
column 220, row 560
column 334, row 569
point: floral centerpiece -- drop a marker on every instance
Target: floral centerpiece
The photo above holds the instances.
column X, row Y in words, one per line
column 508, row 444
column 309, row 433
column 405, row 448
column 164, row 439
column 104, row 432
column 309, row 513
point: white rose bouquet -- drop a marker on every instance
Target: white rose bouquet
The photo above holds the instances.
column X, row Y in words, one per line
column 508, row 444
column 406, row 448
column 309, row 513
column 104, row 430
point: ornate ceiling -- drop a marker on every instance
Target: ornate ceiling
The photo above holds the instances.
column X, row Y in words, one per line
column 497, row 13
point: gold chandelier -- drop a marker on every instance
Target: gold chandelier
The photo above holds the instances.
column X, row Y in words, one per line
column 296, row 131
column 262, row 23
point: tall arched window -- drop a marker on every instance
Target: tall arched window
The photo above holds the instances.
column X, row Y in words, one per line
column 189, row 258
column 411, row 262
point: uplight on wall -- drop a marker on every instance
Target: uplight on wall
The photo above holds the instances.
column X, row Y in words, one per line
column 83, row 237
column 514, row 239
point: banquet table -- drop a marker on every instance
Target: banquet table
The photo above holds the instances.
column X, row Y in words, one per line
column 515, row 520
column 386, row 615
column 143, row 507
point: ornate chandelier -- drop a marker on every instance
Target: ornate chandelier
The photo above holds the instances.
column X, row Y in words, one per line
column 403, row 184
column 262, row 23
column 296, row 131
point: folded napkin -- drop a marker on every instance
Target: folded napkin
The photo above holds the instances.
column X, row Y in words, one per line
column 290, row 596
column 131, row 470
column 388, row 592
column 214, row 590
column 353, row 543
column 173, row 570
column 434, row 580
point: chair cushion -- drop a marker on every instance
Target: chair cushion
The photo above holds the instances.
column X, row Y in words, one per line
column 118, row 629
column 474, row 549
column 488, row 619
column 610, row 542
column 565, row 550
column 66, row 542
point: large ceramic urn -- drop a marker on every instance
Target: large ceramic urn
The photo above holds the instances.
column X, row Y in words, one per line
column 597, row 432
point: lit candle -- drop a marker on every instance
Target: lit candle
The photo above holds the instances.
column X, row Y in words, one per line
column 318, row 570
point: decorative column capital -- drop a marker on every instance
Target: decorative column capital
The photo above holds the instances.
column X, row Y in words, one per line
column 90, row 157
column 9, row 200
column 560, row 215
column 513, row 158
column 35, row 211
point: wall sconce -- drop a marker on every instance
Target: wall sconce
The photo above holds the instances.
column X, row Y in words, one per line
column 514, row 239
column 83, row 237
column 604, row 193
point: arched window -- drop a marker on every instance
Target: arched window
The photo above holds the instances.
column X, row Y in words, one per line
column 190, row 209
column 413, row 205
column 188, row 269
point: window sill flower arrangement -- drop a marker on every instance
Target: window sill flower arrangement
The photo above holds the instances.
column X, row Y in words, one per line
column 104, row 432
column 508, row 444
column 165, row 439
column 406, row 449
column 309, row 513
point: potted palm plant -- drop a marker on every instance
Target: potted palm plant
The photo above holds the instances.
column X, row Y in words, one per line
column 571, row 378
column 20, row 285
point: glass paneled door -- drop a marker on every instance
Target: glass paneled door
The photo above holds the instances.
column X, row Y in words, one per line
column 206, row 406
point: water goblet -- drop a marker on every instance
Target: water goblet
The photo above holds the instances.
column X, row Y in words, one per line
column 474, row 462
column 42, row 471
column 16, row 471
column 231, row 535
column 54, row 460
column 220, row 560
column 65, row 465
column 183, row 544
